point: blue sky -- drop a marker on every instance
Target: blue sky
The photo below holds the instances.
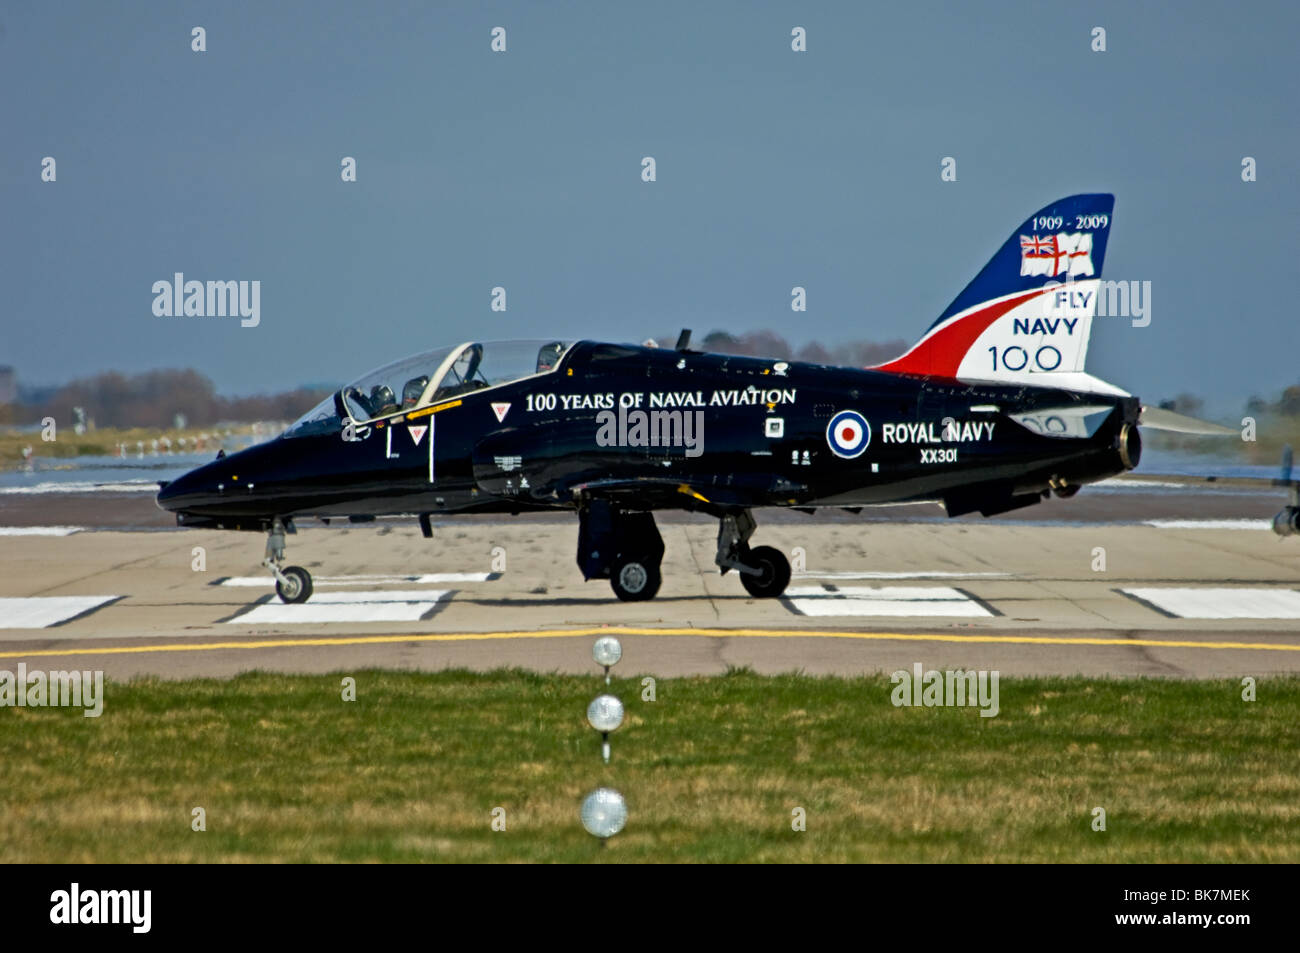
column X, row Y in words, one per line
column 522, row 169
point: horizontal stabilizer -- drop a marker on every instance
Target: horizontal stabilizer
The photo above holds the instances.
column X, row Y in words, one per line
column 1157, row 418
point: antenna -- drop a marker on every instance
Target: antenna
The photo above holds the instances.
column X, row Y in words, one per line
column 684, row 339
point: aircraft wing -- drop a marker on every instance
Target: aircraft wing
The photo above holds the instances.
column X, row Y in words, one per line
column 561, row 464
column 669, row 493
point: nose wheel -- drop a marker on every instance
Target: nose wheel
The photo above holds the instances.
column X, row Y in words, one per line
column 292, row 583
column 773, row 573
column 764, row 570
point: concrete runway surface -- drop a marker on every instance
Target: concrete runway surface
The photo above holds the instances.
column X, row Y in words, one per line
column 1203, row 590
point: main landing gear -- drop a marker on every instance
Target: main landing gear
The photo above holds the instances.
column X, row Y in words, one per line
column 620, row 546
column 626, row 548
column 292, row 583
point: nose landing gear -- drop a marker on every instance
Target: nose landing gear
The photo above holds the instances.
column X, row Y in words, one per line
column 292, row 583
column 764, row 570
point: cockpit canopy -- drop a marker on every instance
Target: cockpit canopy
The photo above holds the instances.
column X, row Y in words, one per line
column 437, row 375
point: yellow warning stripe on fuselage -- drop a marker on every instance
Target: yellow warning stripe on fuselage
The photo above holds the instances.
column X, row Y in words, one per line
column 432, row 410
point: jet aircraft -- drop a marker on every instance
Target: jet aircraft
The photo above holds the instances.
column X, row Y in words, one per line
column 991, row 410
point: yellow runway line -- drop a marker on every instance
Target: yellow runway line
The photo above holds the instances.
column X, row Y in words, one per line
column 632, row 630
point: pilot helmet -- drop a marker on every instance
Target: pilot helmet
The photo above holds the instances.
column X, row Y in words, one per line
column 413, row 389
column 549, row 356
column 381, row 396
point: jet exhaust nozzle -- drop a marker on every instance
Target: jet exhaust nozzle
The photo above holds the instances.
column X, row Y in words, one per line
column 1129, row 446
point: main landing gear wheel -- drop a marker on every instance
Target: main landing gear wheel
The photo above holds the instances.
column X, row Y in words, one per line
column 623, row 546
column 295, row 586
column 635, row 580
column 773, row 575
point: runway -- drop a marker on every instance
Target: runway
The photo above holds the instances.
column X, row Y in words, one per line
column 1197, row 589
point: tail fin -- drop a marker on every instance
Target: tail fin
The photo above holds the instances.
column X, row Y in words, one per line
column 1027, row 316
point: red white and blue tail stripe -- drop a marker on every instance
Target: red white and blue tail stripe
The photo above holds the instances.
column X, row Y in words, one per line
column 1028, row 314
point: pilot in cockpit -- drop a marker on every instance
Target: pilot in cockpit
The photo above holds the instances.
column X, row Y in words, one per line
column 464, row 375
column 412, row 391
column 548, row 356
column 382, row 401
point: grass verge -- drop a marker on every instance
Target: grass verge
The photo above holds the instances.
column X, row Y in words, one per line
column 104, row 442
column 712, row 769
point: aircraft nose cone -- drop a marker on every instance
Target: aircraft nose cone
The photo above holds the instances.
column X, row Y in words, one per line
column 221, row 487
column 173, row 494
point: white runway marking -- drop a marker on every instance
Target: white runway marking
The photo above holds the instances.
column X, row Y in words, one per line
column 37, row 612
column 1211, row 603
column 1113, row 484
column 1209, row 524
column 395, row 606
column 428, row 579
column 144, row 486
column 855, row 574
column 39, row 530
column 921, row 601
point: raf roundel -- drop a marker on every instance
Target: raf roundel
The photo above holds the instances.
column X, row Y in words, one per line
column 848, row 434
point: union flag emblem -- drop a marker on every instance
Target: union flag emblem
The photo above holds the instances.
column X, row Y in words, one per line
column 1064, row 253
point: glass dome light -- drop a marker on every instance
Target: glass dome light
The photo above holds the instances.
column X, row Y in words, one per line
column 605, row 713
column 604, row 812
column 607, row 651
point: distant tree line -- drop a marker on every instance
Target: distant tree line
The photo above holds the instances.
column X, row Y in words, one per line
column 1184, row 403
column 1288, row 405
column 153, row 399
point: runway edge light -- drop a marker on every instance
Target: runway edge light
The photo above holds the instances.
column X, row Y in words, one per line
column 605, row 714
column 607, row 651
column 604, row 813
